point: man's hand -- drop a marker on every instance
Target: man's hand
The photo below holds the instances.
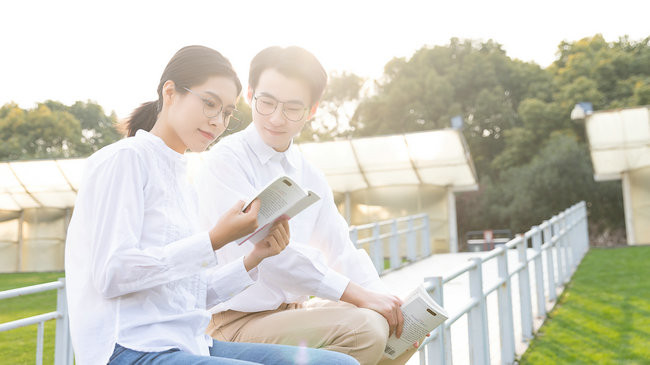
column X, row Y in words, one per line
column 388, row 306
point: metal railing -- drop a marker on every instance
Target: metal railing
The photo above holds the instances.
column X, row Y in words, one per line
column 62, row 345
column 416, row 226
column 563, row 240
column 399, row 241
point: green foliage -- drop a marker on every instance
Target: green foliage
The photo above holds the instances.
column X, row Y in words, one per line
column 556, row 177
column 604, row 315
column 54, row 130
column 531, row 159
column 335, row 108
column 606, row 74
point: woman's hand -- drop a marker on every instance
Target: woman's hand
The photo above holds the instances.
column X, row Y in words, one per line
column 235, row 224
column 271, row 245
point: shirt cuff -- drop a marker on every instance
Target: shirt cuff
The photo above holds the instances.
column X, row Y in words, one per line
column 226, row 281
column 332, row 285
column 194, row 252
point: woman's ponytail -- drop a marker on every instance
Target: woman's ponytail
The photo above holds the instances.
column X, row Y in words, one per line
column 144, row 117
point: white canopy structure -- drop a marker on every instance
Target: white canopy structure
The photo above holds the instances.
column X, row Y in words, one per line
column 373, row 178
column 438, row 158
column 619, row 141
column 39, row 184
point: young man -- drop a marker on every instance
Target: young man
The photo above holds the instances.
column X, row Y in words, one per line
column 354, row 313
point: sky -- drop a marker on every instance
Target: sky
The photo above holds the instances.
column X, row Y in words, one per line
column 113, row 52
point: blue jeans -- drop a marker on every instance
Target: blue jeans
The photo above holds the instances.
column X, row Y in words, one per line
column 234, row 353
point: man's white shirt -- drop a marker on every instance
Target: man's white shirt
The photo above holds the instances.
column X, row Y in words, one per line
column 320, row 259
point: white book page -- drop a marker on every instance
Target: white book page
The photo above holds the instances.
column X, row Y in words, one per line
column 282, row 197
column 302, row 204
column 276, row 198
column 420, row 318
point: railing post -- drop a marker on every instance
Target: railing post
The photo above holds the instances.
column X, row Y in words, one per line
column 557, row 230
column 21, row 239
column 524, row 291
column 411, row 251
column 506, row 326
column 395, row 259
column 39, row 343
column 377, row 249
column 548, row 241
column 570, row 242
column 426, row 242
column 575, row 240
column 354, row 236
column 539, row 272
column 566, row 245
column 585, row 228
column 63, row 354
column 477, row 318
column 439, row 349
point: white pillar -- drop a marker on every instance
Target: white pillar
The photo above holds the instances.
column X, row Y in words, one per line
column 451, row 216
column 627, row 208
column 19, row 257
column 348, row 208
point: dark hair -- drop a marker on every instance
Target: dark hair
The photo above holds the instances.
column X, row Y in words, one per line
column 293, row 62
column 191, row 65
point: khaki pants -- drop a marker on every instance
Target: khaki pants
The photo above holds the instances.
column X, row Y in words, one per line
column 336, row 326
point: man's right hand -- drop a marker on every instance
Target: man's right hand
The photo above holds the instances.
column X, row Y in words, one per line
column 235, row 224
column 387, row 305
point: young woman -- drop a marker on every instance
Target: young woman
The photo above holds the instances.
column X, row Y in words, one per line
column 140, row 274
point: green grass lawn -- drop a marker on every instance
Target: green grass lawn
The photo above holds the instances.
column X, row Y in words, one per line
column 604, row 315
column 18, row 346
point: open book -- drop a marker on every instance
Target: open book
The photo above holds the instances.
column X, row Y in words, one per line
column 421, row 316
column 281, row 197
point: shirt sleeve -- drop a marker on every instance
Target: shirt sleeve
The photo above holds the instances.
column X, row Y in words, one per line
column 227, row 280
column 114, row 202
column 331, row 235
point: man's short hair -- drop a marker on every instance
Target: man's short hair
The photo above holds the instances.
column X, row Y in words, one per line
column 293, row 62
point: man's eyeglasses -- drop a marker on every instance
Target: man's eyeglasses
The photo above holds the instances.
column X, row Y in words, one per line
column 266, row 105
column 212, row 106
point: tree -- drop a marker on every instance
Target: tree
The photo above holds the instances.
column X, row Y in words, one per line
column 607, row 72
column 38, row 133
column 54, row 130
column 335, row 108
column 559, row 176
column 531, row 159
column 473, row 79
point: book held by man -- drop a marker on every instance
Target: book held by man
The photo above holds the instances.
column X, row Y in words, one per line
column 421, row 316
column 282, row 197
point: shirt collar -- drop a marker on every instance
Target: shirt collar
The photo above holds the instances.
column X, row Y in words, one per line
column 161, row 146
column 265, row 152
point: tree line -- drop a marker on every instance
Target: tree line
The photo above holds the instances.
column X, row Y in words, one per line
column 531, row 159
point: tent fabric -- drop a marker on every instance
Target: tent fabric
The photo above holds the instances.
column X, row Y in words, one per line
column 439, row 158
column 619, row 141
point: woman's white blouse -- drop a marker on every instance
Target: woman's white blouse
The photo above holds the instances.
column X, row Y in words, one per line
column 139, row 272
